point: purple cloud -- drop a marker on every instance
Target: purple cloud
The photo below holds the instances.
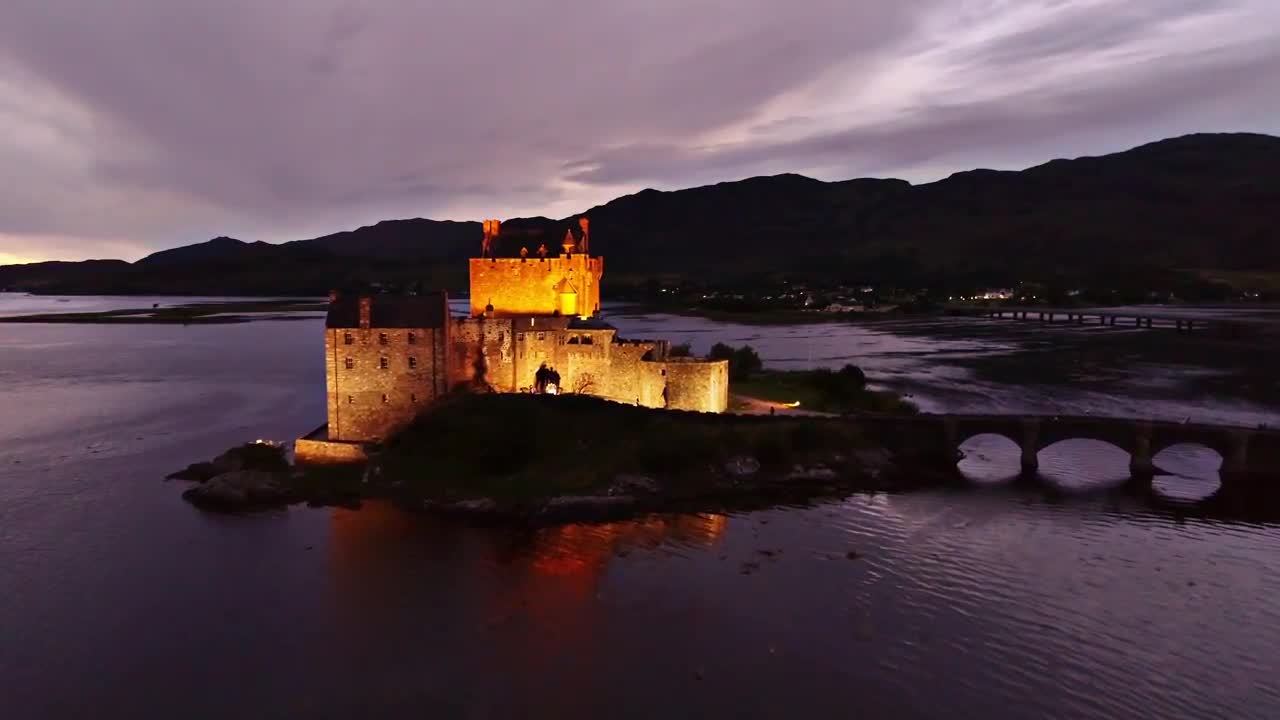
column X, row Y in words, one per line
column 143, row 124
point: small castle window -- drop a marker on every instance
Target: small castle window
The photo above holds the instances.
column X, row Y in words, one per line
column 502, row 336
column 350, row 363
column 348, row 339
column 385, row 400
column 413, row 363
column 351, row 399
column 413, row 398
column 382, row 338
column 383, row 363
column 413, row 338
column 542, row 336
column 519, row 337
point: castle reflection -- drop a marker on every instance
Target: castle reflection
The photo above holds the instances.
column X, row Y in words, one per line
column 527, row 607
column 584, row 550
column 377, row 543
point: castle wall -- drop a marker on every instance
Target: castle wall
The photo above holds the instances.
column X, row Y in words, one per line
column 313, row 451
column 367, row 401
column 607, row 369
column 512, row 349
column 533, row 286
column 487, row 343
column 652, row 379
column 537, row 342
column 701, row 385
column 589, row 360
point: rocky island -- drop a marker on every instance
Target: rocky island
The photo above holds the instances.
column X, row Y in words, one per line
column 547, row 459
column 531, row 407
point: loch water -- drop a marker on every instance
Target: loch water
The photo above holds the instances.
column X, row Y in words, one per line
column 1063, row 598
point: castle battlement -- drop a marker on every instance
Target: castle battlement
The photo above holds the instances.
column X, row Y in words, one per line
column 568, row 285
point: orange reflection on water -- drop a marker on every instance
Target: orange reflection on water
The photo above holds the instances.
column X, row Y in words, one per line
column 586, row 549
column 372, row 541
column 524, row 605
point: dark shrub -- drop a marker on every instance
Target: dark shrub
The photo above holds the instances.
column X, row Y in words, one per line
column 853, row 376
column 672, row 445
column 805, row 437
column 743, row 362
column 772, row 450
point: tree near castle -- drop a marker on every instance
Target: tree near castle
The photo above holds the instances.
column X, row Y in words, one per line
column 743, row 362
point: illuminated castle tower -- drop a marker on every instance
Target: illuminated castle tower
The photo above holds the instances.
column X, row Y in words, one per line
column 567, row 285
column 388, row 357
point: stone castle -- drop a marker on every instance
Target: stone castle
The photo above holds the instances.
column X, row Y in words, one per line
column 534, row 326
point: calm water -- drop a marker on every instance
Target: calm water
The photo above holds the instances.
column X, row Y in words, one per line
column 1061, row 598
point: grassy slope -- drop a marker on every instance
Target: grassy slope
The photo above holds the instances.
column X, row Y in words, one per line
column 527, row 447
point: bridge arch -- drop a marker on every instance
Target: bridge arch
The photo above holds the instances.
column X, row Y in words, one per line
column 1182, row 446
column 990, row 458
column 1189, row 472
column 1084, row 464
column 1189, row 458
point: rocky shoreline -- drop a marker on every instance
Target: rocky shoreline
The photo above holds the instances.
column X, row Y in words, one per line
column 258, row 476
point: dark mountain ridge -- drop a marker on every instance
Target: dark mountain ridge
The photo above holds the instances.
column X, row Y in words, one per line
column 1199, row 202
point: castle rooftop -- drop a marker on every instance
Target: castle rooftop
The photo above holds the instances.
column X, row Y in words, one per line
column 592, row 323
column 429, row 310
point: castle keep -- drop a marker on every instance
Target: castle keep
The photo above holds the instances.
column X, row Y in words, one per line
column 533, row 326
column 385, row 357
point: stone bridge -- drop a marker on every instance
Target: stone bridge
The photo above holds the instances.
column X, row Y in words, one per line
column 1227, row 327
column 1247, row 453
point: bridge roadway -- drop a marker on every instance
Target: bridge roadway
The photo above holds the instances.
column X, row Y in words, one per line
column 1247, row 453
column 1228, row 327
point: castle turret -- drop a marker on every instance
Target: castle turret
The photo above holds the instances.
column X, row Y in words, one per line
column 566, row 298
column 366, row 312
column 585, row 224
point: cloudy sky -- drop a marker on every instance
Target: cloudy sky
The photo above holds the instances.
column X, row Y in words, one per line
column 134, row 125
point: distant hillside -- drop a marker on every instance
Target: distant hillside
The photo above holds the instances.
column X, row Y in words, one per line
column 1201, row 202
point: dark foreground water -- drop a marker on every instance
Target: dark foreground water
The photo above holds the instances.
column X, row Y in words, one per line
column 1063, row 598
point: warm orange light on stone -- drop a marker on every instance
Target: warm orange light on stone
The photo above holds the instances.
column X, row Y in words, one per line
column 387, row 356
column 531, row 287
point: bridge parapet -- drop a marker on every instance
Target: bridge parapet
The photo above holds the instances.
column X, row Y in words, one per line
column 1245, row 452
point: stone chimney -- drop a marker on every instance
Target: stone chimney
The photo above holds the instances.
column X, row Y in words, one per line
column 366, row 312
